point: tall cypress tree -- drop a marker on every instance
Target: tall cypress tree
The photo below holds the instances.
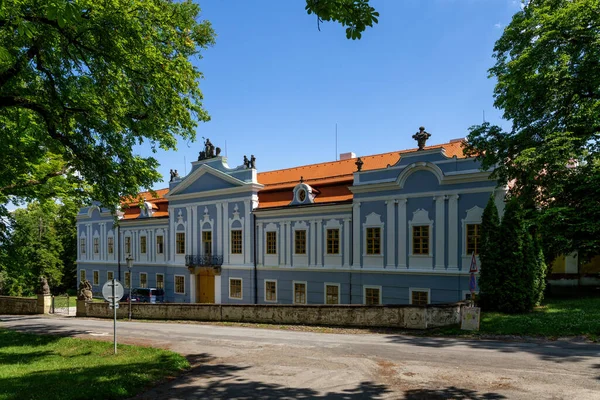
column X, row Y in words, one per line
column 490, row 276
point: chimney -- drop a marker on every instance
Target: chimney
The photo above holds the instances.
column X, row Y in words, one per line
column 347, row 156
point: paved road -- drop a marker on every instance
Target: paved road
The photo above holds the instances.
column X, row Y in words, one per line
column 245, row 363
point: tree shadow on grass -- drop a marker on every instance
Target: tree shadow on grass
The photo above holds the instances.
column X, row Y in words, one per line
column 557, row 351
column 451, row 392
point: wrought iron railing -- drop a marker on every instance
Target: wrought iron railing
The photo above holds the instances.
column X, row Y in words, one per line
column 203, row 261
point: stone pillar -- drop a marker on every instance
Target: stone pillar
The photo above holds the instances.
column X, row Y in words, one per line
column 81, row 308
column 356, row 242
column 44, row 302
column 453, row 232
column 401, row 239
column 390, row 248
column 440, row 262
column 347, row 243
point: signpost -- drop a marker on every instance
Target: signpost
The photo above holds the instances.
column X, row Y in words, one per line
column 112, row 291
column 470, row 315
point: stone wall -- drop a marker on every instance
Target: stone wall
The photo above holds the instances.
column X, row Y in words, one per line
column 396, row 316
column 18, row 305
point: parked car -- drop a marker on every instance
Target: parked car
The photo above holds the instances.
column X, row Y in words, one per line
column 145, row 295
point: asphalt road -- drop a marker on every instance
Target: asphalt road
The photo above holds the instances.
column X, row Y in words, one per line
column 246, row 363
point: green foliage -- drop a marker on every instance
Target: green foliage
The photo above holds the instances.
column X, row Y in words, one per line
column 357, row 15
column 490, row 257
column 83, row 81
column 548, row 85
column 53, row 367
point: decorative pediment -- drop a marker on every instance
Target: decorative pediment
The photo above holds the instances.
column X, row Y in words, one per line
column 373, row 219
column 419, row 166
column 474, row 215
column 203, row 179
column 421, row 217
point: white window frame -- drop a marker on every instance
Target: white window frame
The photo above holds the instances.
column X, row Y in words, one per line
column 140, row 279
column 125, row 280
column 373, row 220
column 175, row 284
column 420, row 218
column 125, row 252
column 365, row 287
column 109, row 272
column 325, row 291
column 411, row 290
column 265, row 291
column 84, row 273
column 237, row 257
column 305, row 292
column 184, row 243
column 146, row 244
column 94, row 272
column 241, row 288
column 96, row 245
column 301, row 260
column 474, row 216
column 110, row 236
column 163, row 244
column 163, row 280
column 276, row 243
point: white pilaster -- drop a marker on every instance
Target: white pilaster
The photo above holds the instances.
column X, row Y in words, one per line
column 219, row 224
column 313, row 242
column 356, row 243
column 260, row 255
column 288, row 240
column 440, row 260
column 192, row 279
column 347, row 243
column 402, row 234
column 453, row 232
column 225, row 232
column 319, row 243
column 193, row 222
column 188, row 232
column 218, row 289
column 248, row 226
column 391, row 257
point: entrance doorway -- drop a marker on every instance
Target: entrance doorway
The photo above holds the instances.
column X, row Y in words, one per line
column 205, row 284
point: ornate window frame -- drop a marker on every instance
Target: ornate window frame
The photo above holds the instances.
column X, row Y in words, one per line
column 373, row 220
column 325, row 284
column 272, row 259
column 301, row 260
column 473, row 216
column 265, row 290
column 365, row 287
column 236, row 258
column 420, row 218
column 415, row 289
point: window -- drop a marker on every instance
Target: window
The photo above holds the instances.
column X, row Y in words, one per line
column 207, row 242
column 160, row 244
column 82, row 275
column 332, row 293
column 111, row 245
column 160, row 281
column 299, row 242
column 236, row 241
column 299, row 292
column 180, row 243
column 143, row 280
column 421, row 239
column 82, row 246
column 419, row 297
column 179, row 284
column 373, row 241
column 333, row 241
column 96, row 278
column 143, row 244
column 235, row 288
column 110, row 275
column 372, row 296
column 473, row 238
column 127, row 279
column 271, row 242
column 270, row 290
column 127, row 245
column 96, row 245
column 301, row 195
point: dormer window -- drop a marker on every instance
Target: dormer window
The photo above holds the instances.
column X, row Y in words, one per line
column 301, row 195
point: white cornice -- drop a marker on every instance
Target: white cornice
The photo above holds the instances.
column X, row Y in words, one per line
column 144, row 221
column 296, row 211
column 218, row 192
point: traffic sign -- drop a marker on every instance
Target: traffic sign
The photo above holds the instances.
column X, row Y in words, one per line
column 107, row 291
column 473, row 267
column 110, row 305
column 472, row 283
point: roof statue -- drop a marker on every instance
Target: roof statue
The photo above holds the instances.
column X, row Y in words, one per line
column 421, row 137
column 210, row 151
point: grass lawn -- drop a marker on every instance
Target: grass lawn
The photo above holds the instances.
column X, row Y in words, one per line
column 52, row 367
column 554, row 318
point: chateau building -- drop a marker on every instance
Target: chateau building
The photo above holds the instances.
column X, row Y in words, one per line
column 393, row 228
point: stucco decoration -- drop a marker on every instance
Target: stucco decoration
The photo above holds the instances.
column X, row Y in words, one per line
column 419, row 166
column 303, row 194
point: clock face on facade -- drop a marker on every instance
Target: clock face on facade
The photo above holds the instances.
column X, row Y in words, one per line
column 302, row 195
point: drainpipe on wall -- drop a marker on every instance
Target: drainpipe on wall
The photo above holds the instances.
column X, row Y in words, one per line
column 255, row 262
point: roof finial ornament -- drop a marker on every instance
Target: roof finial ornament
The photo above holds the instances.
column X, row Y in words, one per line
column 301, row 179
column 421, row 137
column 359, row 163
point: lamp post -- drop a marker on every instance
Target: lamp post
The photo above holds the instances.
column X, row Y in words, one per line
column 129, row 261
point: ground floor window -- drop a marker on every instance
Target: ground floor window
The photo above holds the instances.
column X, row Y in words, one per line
column 419, row 297
column 332, row 293
column 179, row 284
column 235, row 288
column 299, row 292
column 81, row 275
column 143, row 280
column 270, row 290
column 372, row 295
column 127, row 280
column 96, row 278
column 160, row 281
column 110, row 275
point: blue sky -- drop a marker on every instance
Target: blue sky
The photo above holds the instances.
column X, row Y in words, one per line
column 275, row 86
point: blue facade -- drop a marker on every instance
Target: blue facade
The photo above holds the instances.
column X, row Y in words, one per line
column 402, row 237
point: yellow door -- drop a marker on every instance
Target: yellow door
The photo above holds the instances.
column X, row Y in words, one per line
column 206, row 286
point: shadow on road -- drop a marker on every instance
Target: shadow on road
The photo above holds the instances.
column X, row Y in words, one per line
column 558, row 351
column 449, row 393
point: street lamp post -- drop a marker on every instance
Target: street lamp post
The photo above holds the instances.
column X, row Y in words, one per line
column 129, row 261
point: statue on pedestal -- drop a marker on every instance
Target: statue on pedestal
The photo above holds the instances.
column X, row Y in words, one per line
column 421, row 137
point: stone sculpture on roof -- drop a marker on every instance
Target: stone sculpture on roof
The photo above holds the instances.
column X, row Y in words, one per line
column 421, row 138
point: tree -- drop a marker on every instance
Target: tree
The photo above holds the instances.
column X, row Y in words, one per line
column 82, row 81
column 548, row 85
column 490, row 256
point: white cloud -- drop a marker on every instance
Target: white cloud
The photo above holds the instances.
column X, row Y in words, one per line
column 498, row 25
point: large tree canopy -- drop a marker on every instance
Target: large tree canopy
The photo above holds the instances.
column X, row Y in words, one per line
column 82, row 81
column 548, row 85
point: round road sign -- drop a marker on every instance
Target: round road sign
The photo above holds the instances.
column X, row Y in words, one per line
column 107, row 291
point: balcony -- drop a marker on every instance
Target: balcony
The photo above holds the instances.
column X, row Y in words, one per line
column 192, row 261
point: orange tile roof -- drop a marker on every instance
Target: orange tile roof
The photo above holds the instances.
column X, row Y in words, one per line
column 331, row 179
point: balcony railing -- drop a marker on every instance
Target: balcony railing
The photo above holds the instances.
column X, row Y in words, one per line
column 203, row 261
